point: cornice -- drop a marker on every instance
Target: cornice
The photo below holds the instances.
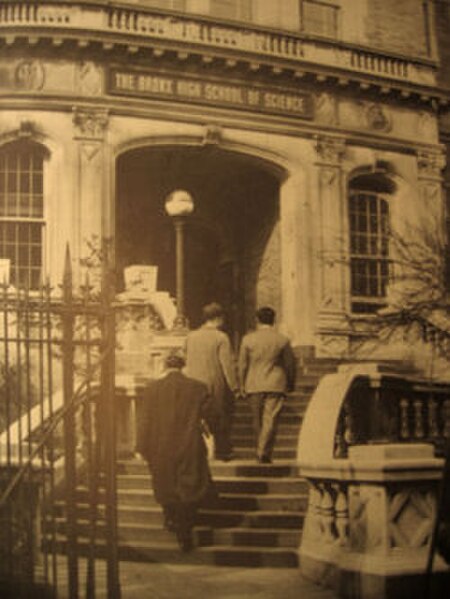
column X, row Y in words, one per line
column 105, row 29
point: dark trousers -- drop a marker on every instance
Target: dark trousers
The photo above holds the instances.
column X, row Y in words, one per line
column 179, row 518
column 265, row 410
column 222, row 431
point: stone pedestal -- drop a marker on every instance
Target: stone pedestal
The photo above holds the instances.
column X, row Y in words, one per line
column 369, row 524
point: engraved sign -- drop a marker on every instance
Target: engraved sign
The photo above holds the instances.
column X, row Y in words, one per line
column 206, row 91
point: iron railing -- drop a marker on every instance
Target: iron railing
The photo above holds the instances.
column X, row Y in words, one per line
column 57, row 441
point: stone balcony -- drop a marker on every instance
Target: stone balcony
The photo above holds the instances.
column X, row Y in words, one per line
column 110, row 25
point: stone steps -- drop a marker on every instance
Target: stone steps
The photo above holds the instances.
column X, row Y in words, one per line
column 240, row 556
column 257, row 519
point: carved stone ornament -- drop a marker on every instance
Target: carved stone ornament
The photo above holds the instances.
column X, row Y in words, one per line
column 430, row 163
column 426, row 126
column 29, row 75
column 212, row 135
column 90, row 123
column 377, row 118
column 89, row 79
column 326, row 109
column 330, row 149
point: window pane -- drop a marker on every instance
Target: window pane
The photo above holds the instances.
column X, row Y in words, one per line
column 319, row 18
column 231, row 9
column 21, row 197
column 369, row 247
column 169, row 4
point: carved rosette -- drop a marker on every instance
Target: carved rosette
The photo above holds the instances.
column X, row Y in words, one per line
column 430, row 164
column 330, row 150
column 90, row 123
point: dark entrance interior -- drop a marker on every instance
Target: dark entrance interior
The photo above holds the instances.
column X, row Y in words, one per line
column 232, row 237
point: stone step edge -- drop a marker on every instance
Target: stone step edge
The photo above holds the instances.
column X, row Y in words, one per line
column 60, row 538
column 198, row 528
column 233, row 479
column 224, row 495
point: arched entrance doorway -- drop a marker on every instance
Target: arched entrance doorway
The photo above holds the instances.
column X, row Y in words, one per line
column 232, row 241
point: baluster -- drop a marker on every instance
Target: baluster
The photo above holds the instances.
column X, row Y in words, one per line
column 327, row 515
column 112, row 21
column 342, row 517
column 122, row 23
column 404, row 420
column 419, row 430
column 433, row 429
column 349, row 435
column 446, row 427
column 314, row 500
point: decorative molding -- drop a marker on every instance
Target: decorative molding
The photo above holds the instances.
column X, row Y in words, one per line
column 410, row 514
column 377, row 117
column 426, row 125
column 29, row 75
column 90, row 123
column 330, row 149
column 90, row 149
column 326, row 109
column 89, row 79
column 430, row 163
column 27, row 129
column 212, row 135
column 327, row 176
column 430, row 193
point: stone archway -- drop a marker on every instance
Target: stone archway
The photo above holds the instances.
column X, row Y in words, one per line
column 232, row 238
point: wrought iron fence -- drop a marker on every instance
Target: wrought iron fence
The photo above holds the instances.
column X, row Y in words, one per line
column 57, row 441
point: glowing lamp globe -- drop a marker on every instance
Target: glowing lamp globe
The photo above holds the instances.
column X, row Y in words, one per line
column 179, row 203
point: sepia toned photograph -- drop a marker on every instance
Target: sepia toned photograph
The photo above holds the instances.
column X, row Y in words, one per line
column 224, row 299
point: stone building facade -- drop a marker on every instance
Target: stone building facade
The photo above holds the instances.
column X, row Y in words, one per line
column 305, row 130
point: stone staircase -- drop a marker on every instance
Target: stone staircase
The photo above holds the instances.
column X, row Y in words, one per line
column 258, row 518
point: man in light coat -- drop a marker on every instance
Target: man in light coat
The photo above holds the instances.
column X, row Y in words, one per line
column 266, row 373
column 209, row 359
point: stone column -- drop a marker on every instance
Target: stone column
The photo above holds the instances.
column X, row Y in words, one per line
column 295, row 227
column 430, row 164
column 90, row 125
column 332, row 266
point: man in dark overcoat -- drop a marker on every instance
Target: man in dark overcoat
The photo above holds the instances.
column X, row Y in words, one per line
column 209, row 359
column 172, row 415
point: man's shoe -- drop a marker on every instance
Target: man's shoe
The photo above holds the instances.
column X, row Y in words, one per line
column 185, row 541
column 169, row 524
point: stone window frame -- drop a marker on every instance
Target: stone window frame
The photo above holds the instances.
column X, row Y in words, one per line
column 319, row 18
column 233, row 10
column 23, row 210
column 369, row 253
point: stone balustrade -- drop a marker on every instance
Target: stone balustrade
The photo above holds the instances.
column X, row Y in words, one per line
column 384, row 407
column 143, row 25
column 371, row 513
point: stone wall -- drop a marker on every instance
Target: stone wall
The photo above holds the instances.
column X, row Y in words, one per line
column 398, row 26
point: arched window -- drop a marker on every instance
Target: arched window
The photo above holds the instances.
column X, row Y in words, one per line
column 369, row 241
column 22, row 210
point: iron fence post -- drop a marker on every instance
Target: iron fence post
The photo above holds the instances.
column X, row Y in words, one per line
column 69, row 427
column 109, row 412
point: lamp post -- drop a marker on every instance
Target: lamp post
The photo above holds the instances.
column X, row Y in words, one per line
column 179, row 205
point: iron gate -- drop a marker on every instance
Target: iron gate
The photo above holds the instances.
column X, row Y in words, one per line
column 58, row 503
